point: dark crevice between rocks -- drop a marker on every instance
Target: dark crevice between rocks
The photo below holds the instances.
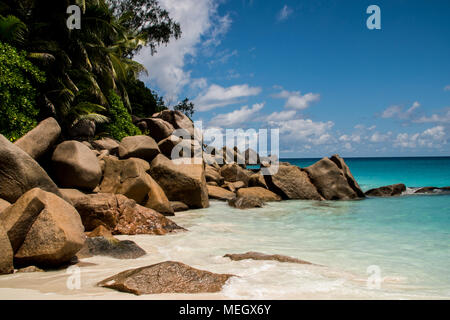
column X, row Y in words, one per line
column 272, row 187
column 350, row 181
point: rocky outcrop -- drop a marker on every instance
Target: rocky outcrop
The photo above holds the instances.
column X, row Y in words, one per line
column 6, row 253
column 142, row 147
column 333, row 179
column 39, row 140
column 106, row 144
column 260, row 193
column 220, row 193
column 158, row 128
column 3, row 205
column 232, row 172
column 121, row 215
column 246, row 202
column 100, row 246
column 177, row 119
column 290, row 182
column 181, row 182
column 178, row 206
column 76, row 166
column 130, row 178
column 166, row 277
column 43, row 229
column 387, row 191
column 261, row 256
column 20, row 173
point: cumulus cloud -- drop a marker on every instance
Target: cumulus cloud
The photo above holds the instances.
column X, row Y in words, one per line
column 296, row 100
column 397, row 111
column 435, row 118
column 305, row 130
column 216, row 96
column 434, row 137
column 281, row 116
column 199, row 22
column 284, row 13
column 380, row 137
column 236, row 117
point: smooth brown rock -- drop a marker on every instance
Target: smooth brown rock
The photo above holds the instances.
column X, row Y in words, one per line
column 233, row 172
column 177, row 119
column 20, row 173
column 181, row 182
column 3, row 205
column 158, row 128
column 257, row 180
column 433, row 190
column 220, row 193
column 40, row 139
column 6, row 253
column 178, row 206
column 260, row 193
column 166, row 145
column 246, row 202
column 290, row 182
column 333, row 179
column 387, row 191
column 109, row 144
column 44, row 229
column 261, row 256
column 121, row 215
column 76, row 166
column 72, row 194
column 233, row 155
column 166, row 277
column 157, row 199
column 29, row 269
column 212, row 174
column 234, row 186
column 142, row 147
column 101, row 231
column 251, row 157
column 111, row 247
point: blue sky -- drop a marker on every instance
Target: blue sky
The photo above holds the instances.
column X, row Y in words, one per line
column 315, row 71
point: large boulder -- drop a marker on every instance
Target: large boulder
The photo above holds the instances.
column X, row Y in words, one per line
column 106, row 144
column 6, row 253
column 212, row 174
column 121, row 215
column 142, row 147
column 257, row 180
column 183, row 182
column 76, row 166
column 333, row 179
column 3, row 205
column 166, row 277
column 233, row 172
column 20, row 173
column 260, row 193
column 130, row 178
column 246, row 202
column 387, row 191
column 251, row 157
column 158, row 128
column 290, row 182
column 39, row 140
column 177, row 119
column 43, row 229
column 166, row 145
column 220, row 193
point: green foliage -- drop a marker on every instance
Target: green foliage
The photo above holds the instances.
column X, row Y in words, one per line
column 120, row 125
column 144, row 102
column 186, row 107
column 18, row 111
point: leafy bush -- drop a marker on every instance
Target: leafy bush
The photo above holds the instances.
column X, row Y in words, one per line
column 120, row 124
column 18, row 111
column 144, row 102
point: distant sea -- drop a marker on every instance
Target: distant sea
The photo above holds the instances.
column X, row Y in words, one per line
column 404, row 242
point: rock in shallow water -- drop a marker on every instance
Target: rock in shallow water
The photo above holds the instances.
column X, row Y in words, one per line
column 260, row 193
column 100, row 246
column 166, row 277
column 387, row 191
column 262, row 256
column 246, row 202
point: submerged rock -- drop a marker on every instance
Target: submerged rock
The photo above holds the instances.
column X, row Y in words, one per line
column 121, row 215
column 333, row 179
column 387, row 191
column 246, row 202
column 100, row 246
column 40, row 139
column 20, row 173
column 433, row 190
column 261, row 256
column 260, row 193
column 166, row 277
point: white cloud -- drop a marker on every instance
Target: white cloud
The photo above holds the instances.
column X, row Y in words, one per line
column 284, row 13
column 199, row 20
column 379, row 137
column 431, row 138
column 304, row 130
column 281, row 116
column 397, row 111
column 235, row 117
column 443, row 118
column 297, row 101
column 354, row 138
column 216, row 96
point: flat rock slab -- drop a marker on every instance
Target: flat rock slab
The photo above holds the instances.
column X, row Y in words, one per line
column 387, row 191
column 262, row 256
column 100, row 246
column 166, row 277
